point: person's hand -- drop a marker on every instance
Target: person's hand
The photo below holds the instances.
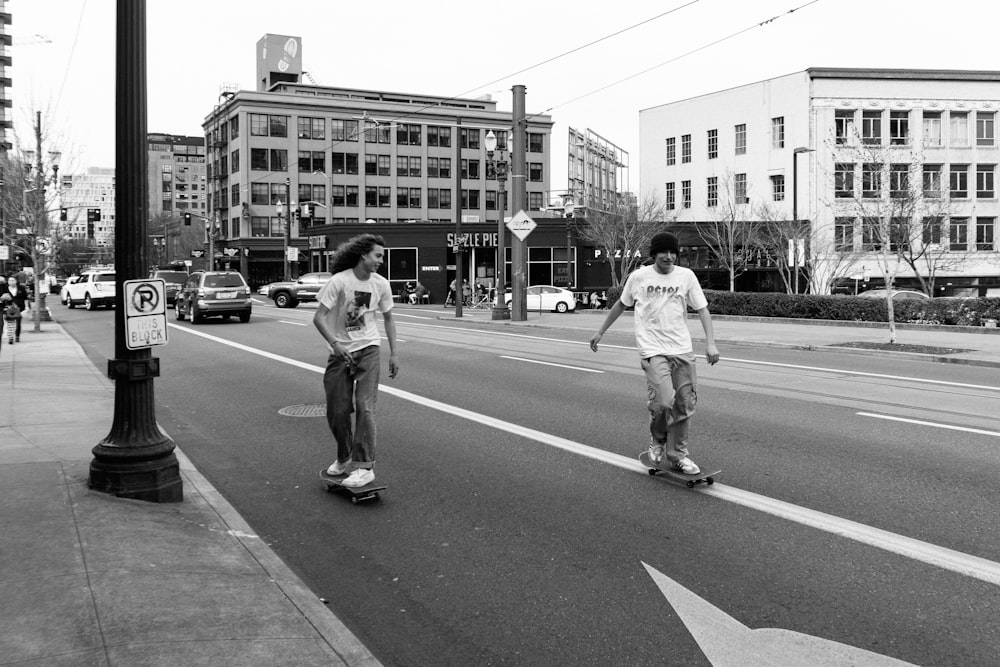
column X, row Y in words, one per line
column 712, row 354
column 393, row 366
column 595, row 340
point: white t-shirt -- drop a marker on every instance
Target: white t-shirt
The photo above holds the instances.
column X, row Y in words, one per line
column 352, row 304
column 661, row 301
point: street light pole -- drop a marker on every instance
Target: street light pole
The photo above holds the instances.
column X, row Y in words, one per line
column 519, row 260
column 499, row 169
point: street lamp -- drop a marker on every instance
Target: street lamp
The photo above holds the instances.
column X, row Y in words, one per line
column 499, row 168
column 279, row 207
column 796, row 251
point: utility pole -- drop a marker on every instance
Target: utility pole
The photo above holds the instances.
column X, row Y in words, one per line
column 458, row 245
column 519, row 260
column 136, row 459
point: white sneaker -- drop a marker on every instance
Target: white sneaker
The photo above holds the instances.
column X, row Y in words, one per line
column 655, row 451
column 338, row 468
column 686, row 466
column 359, row 477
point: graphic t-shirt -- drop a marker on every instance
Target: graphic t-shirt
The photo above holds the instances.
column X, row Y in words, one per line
column 352, row 304
column 661, row 301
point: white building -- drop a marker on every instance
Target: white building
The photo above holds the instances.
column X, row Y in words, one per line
column 81, row 193
column 857, row 135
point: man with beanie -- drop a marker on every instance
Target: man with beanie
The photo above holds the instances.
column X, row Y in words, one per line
column 661, row 293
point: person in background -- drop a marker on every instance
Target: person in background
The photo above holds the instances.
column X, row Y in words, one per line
column 417, row 295
column 19, row 295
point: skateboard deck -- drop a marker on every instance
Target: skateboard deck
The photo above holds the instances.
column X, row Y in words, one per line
column 334, row 484
column 706, row 476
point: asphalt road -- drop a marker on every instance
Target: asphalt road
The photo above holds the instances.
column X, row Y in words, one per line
column 856, row 508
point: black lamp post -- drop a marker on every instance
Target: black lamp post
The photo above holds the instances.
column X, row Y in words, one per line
column 499, row 168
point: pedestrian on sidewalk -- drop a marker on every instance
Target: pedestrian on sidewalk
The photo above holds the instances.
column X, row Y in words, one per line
column 19, row 295
column 661, row 293
column 11, row 317
column 346, row 320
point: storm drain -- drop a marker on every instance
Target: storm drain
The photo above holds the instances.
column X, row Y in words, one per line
column 305, row 410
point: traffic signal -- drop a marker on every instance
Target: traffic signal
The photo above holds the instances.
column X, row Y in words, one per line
column 187, row 219
column 63, row 214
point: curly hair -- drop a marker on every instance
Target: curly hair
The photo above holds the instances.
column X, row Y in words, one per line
column 350, row 251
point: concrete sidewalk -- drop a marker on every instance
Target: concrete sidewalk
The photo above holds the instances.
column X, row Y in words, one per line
column 90, row 579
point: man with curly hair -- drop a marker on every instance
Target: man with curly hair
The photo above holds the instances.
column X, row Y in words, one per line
column 346, row 320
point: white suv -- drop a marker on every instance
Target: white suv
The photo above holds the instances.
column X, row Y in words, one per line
column 93, row 289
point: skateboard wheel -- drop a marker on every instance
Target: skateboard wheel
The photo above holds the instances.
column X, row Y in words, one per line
column 709, row 481
column 354, row 500
column 690, row 484
column 651, row 472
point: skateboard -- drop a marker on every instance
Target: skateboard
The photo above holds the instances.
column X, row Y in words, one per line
column 706, row 476
column 334, row 484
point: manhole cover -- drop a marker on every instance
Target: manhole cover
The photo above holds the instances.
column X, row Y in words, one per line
column 307, row 410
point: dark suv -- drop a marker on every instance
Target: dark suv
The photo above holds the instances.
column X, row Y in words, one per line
column 213, row 293
column 173, row 281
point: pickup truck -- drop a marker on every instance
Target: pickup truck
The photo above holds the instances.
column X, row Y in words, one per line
column 291, row 294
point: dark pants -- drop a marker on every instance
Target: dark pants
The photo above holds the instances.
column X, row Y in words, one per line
column 352, row 389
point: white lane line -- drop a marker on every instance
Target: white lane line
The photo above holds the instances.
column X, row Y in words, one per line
column 942, row 557
column 920, row 422
column 549, row 363
column 298, row 324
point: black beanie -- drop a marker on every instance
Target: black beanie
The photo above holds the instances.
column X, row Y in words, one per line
column 664, row 242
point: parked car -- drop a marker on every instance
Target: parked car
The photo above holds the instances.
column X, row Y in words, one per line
column 213, row 294
column 173, row 281
column 897, row 294
column 64, row 292
column 547, row 297
column 291, row 294
column 92, row 289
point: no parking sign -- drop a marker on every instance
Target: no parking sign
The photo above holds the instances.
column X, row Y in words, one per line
column 145, row 313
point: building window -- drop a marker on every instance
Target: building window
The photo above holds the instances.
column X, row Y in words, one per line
column 932, row 128
column 844, row 126
column 534, row 143
column 234, row 160
column 278, row 126
column 843, row 180
column 470, row 200
column 931, row 231
column 670, row 197
column 899, row 181
column 778, row 187
column 343, row 130
column 958, row 181
column 871, row 180
column 984, row 181
column 371, row 165
column 258, row 159
column 984, row 128
column 932, row 180
column 234, row 127
column 438, row 167
column 408, row 134
column 438, row 136
column 414, row 165
column 985, row 233
column 871, row 234
column 384, row 196
column 871, row 127
column 384, row 165
column 778, row 132
column 958, row 128
column 685, row 148
column 535, row 201
column 258, row 125
column 671, row 151
column 899, row 128
column 713, row 144
column 337, row 195
column 311, row 128
column 353, row 195
column 843, row 234
column 310, row 161
column 260, row 193
column 958, row 234
column 491, row 200
column 740, row 189
column 534, row 171
column 371, row 195
column 712, row 187
column 686, row 194
column 741, row 139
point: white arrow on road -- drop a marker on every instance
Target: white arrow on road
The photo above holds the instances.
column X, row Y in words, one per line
column 728, row 643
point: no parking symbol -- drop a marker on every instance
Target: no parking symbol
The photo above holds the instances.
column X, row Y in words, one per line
column 145, row 313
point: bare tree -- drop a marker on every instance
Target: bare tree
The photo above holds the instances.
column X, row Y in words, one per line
column 623, row 234
column 733, row 234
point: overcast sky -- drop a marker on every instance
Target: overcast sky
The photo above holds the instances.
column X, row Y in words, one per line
column 64, row 55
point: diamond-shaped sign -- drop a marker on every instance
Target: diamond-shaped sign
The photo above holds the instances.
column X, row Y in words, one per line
column 521, row 225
